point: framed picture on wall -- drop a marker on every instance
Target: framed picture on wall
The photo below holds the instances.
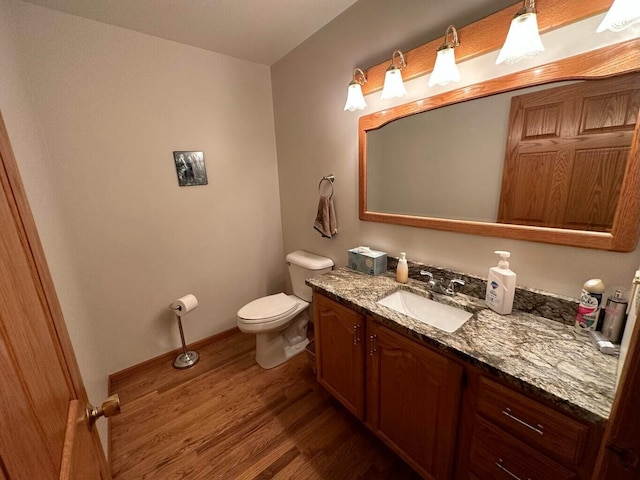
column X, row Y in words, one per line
column 190, row 168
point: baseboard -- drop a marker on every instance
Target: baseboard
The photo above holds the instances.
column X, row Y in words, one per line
column 141, row 367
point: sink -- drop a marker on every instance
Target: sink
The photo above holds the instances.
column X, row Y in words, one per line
column 439, row 315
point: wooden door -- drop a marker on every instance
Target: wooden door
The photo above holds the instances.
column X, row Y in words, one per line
column 413, row 398
column 43, row 431
column 567, row 153
column 340, row 352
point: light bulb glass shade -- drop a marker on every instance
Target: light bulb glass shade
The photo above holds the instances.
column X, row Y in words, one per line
column 393, row 84
column 355, row 99
column 445, row 70
column 621, row 15
column 523, row 40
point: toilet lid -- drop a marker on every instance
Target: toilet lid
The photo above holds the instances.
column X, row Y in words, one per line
column 266, row 307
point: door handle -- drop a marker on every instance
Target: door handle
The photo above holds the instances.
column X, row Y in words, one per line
column 109, row 408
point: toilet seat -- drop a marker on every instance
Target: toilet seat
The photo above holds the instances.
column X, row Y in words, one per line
column 268, row 309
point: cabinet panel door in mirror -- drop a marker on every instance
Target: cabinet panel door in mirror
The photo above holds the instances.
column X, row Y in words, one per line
column 567, row 153
column 413, row 395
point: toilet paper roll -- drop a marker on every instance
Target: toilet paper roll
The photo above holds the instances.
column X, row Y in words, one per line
column 184, row 305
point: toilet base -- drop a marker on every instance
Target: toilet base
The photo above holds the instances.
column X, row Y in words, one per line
column 272, row 352
column 275, row 348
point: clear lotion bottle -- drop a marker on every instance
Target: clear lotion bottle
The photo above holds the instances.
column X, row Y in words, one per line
column 501, row 286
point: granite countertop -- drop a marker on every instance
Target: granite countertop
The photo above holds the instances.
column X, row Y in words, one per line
column 539, row 355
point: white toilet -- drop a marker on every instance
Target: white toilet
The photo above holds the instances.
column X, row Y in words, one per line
column 280, row 321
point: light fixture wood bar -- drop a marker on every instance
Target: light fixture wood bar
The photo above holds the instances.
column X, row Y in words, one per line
column 486, row 35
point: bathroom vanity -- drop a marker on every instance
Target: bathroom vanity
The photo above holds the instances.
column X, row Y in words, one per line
column 515, row 396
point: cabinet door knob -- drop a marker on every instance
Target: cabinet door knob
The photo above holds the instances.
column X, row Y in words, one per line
column 372, row 345
column 356, row 334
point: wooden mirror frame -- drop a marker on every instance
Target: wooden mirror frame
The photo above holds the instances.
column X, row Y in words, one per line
column 605, row 62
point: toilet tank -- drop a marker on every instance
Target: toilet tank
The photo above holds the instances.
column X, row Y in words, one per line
column 303, row 265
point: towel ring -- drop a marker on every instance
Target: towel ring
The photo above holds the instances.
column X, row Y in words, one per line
column 330, row 179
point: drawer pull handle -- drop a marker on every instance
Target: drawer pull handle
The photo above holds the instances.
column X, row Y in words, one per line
column 356, row 336
column 506, row 470
column 627, row 457
column 538, row 429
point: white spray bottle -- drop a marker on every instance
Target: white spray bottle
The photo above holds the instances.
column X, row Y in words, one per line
column 501, row 286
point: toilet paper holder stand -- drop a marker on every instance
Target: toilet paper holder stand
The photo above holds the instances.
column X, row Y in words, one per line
column 186, row 359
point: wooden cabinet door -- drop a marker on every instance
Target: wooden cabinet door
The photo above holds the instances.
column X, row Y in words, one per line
column 340, row 353
column 43, row 429
column 413, row 397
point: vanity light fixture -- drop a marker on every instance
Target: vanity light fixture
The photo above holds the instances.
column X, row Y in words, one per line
column 393, row 84
column 445, row 69
column 355, row 99
column 523, row 39
column 621, row 15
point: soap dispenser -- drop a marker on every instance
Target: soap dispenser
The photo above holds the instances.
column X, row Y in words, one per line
column 402, row 270
column 501, row 285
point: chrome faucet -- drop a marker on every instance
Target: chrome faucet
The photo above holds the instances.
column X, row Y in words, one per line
column 451, row 289
column 433, row 282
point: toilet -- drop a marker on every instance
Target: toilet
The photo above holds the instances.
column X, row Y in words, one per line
column 280, row 321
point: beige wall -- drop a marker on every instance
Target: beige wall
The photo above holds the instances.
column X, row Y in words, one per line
column 315, row 137
column 94, row 113
column 21, row 118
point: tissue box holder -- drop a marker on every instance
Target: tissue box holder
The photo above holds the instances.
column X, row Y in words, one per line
column 370, row 262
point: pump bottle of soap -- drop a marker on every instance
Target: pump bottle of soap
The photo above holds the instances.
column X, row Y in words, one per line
column 402, row 270
column 501, row 286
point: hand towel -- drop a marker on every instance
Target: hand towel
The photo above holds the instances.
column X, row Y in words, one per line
column 326, row 222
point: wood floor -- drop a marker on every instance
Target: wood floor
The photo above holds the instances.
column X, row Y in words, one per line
column 226, row 418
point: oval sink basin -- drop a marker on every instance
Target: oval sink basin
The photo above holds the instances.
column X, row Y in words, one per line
column 444, row 317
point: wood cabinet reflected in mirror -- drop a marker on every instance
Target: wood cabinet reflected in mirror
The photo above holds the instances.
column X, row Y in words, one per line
column 567, row 152
column 596, row 186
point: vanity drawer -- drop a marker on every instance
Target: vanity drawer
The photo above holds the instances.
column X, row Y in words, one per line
column 496, row 455
column 541, row 427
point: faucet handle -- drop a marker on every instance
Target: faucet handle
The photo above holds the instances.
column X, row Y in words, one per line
column 451, row 289
column 432, row 281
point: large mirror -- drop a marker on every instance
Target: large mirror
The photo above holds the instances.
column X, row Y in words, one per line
column 494, row 159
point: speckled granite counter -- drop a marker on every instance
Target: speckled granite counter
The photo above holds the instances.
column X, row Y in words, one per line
column 542, row 356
